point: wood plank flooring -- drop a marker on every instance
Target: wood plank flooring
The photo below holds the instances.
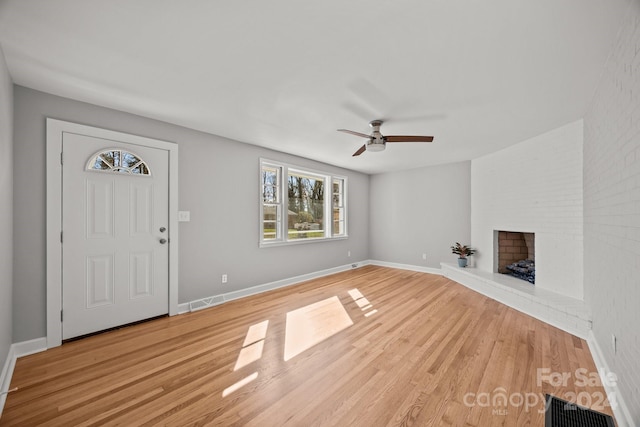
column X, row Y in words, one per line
column 427, row 352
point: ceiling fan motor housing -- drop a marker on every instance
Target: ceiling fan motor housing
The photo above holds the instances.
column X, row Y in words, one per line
column 377, row 141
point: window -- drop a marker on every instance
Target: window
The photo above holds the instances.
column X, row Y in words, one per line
column 116, row 160
column 338, row 207
column 296, row 204
column 271, row 206
column 305, row 200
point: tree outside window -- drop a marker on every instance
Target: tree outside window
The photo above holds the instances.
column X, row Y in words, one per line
column 306, row 200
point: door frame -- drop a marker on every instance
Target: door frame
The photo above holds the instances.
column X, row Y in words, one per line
column 55, row 131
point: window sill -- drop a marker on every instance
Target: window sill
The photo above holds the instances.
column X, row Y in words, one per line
column 301, row 241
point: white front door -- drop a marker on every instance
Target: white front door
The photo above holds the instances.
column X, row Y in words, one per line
column 115, row 250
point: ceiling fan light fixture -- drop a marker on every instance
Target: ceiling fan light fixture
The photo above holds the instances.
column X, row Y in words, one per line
column 376, row 146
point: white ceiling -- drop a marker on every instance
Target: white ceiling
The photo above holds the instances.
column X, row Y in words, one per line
column 285, row 74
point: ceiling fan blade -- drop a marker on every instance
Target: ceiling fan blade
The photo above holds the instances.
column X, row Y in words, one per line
column 408, row 138
column 354, row 133
column 360, row 150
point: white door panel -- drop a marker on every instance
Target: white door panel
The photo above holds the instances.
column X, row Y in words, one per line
column 140, row 275
column 115, row 268
column 99, row 283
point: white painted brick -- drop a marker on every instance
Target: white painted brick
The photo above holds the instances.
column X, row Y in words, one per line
column 612, row 210
column 534, row 186
column 542, row 304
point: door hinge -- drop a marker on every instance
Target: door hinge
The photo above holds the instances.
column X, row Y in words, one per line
column 61, row 315
column 61, row 237
column 61, row 159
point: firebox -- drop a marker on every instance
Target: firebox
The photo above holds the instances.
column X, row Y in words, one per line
column 515, row 254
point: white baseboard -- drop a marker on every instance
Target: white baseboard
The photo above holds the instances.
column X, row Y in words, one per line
column 17, row 350
column 26, row 348
column 618, row 405
column 254, row 290
column 410, row 267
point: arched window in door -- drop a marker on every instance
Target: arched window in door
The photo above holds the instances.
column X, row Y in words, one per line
column 118, row 160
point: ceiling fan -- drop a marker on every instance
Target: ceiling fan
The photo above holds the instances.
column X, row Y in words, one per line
column 378, row 142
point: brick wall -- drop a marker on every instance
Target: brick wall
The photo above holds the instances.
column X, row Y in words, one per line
column 612, row 210
column 534, row 186
column 514, row 247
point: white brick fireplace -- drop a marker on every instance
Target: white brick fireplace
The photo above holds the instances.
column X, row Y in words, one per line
column 534, row 186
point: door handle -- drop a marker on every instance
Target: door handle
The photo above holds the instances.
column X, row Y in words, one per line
column 163, row 241
column 163, row 229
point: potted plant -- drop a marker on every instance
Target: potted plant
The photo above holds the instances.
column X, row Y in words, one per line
column 463, row 251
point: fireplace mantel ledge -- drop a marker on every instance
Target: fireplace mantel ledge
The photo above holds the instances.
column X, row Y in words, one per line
column 569, row 314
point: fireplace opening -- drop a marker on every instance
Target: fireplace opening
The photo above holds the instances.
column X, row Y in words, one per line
column 516, row 255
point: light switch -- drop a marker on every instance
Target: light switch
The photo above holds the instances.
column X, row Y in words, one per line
column 184, row 216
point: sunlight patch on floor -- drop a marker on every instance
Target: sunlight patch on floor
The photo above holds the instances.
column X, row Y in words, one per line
column 305, row 327
column 355, row 294
column 249, row 354
column 362, row 302
column 312, row 324
column 256, row 332
column 253, row 345
column 243, row 382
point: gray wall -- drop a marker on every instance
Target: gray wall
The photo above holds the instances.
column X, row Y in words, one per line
column 420, row 211
column 612, row 210
column 218, row 184
column 6, row 212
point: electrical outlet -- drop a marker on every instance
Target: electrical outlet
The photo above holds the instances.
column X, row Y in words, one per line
column 424, row 256
column 614, row 344
column 349, row 253
column 224, row 278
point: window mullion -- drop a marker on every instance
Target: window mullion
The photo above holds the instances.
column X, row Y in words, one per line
column 327, row 202
column 284, row 203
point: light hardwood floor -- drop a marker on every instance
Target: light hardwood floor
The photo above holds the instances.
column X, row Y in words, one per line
column 434, row 353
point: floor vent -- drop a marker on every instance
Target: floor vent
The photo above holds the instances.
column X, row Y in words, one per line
column 560, row 413
column 206, row 302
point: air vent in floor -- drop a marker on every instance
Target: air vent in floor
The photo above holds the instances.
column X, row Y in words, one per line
column 205, row 302
column 560, row 413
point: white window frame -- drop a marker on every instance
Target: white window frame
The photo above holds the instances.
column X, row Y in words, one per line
column 90, row 167
column 343, row 205
column 282, row 235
